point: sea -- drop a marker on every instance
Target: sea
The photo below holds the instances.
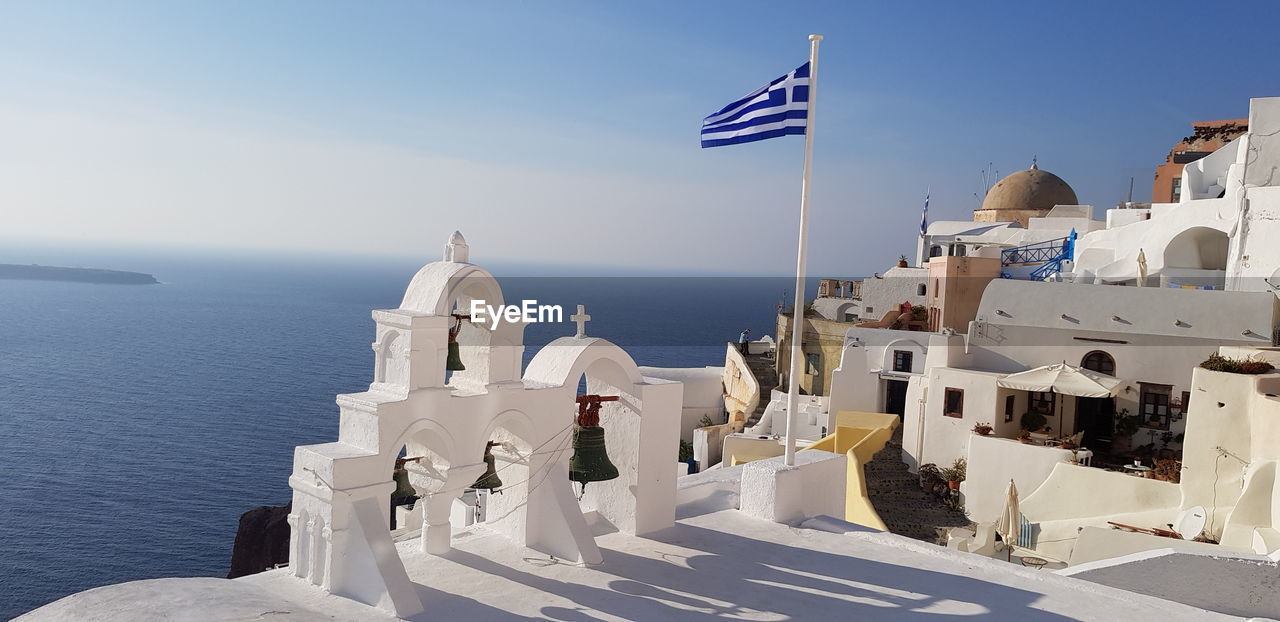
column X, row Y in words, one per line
column 138, row 422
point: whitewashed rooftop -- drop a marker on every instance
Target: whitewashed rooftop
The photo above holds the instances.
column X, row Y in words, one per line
column 716, row 564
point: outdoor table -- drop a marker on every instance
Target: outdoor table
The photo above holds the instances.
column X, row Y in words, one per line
column 1136, row 469
column 1034, row 562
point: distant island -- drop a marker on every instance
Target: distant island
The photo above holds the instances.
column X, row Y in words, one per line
column 35, row 272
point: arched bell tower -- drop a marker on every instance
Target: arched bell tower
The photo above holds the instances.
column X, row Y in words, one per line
column 438, row 427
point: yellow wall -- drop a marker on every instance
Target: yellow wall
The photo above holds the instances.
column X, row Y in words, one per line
column 859, row 436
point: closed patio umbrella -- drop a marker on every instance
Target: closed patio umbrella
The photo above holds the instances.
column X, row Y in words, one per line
column 1009, row 524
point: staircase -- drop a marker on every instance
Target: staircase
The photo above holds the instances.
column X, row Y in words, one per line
column 1049, row 254
column 905, row 509
column 762, row 368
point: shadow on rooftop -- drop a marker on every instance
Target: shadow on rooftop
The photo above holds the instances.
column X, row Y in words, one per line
column 745, row 578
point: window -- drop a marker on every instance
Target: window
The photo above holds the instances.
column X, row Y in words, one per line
column 870, row 311
column 1100, row 362
column 902, row 361
column 920, row 289
column 813, row 363
column 1008, row 408
column 1154, row 405
column 1177, row 189
column 953, row 403
column 957, row 250
column 1042, row 402
column 849, row 317
column 935, row 251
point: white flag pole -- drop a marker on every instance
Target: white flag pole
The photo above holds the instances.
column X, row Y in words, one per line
column 797, row 310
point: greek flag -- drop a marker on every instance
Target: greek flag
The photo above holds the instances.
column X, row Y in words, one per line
column 776, row 109
column 924, row 215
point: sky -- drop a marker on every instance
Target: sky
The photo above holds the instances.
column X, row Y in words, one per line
column 566, row 133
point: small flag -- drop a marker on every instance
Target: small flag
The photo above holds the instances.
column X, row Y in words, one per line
column 924, row 215
column 776, row 109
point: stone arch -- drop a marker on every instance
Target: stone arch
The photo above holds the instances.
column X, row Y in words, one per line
column 438, row 286
column 608, row 371
column 842, row 309
column 299, row 528
column 428, row 434
column 1100, row 362
column 521, row 471
column 917, row 354
column 319, row 543
column 568, row 358
column 385, row 353
column 1198, row 248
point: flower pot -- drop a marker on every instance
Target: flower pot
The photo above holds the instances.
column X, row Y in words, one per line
column 953, row 485
column 1120, row 444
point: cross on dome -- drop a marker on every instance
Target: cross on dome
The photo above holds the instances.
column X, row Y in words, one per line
column 581, row 318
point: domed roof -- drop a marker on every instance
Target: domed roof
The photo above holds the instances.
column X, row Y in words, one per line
column 1029, row 189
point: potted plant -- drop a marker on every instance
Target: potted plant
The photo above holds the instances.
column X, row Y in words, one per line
column 1168, row 471
column 902, row 261
column 1217, row 362
column 1024, row 436
column 1125, row 427
column 955, row 473
column 1066, row 444
column 929, row 476
column 982, row 429
column 1032, row 421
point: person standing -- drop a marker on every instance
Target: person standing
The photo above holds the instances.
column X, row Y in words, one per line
column 742, row 341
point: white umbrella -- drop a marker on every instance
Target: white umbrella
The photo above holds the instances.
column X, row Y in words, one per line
column 1009, row 524
column 1142, row 268
column 1065, row 379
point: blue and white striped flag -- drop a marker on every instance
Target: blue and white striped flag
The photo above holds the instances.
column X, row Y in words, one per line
column 776, row 109
column 924, row 215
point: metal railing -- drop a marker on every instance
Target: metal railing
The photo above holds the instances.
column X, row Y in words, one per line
column 1034, row 253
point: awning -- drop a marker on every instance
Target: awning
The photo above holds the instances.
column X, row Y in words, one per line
column 1064, row 379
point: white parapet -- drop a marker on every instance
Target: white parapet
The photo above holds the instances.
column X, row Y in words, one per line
column 813, row 486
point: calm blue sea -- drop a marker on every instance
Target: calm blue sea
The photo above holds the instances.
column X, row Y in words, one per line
column 138, row 422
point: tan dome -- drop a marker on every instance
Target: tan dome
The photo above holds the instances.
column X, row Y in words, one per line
column 1032, row 189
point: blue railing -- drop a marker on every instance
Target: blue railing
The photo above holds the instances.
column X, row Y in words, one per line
column 1034, row 253
column 1049, row 254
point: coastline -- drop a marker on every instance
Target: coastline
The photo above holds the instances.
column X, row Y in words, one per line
column 35, row 272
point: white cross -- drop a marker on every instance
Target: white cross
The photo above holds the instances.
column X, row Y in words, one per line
column 581, row 318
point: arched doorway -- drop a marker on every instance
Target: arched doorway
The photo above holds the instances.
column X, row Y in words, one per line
column 1198, row 248
column 1095, row 416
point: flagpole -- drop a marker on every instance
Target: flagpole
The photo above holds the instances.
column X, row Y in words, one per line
column 797, row 310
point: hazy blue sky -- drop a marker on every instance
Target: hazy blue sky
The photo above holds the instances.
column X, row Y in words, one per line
column 567, row 132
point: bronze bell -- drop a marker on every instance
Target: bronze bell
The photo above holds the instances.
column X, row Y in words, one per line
column 454, row 363
column 404, row 489
column 488, row 481
column 590, row 462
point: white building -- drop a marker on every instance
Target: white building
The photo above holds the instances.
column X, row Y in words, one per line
column 1222, row 233
column 760, row 541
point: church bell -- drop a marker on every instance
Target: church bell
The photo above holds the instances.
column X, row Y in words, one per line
column 489, row 481
column 454, row 362
column 404, row 489
column 590, row 462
